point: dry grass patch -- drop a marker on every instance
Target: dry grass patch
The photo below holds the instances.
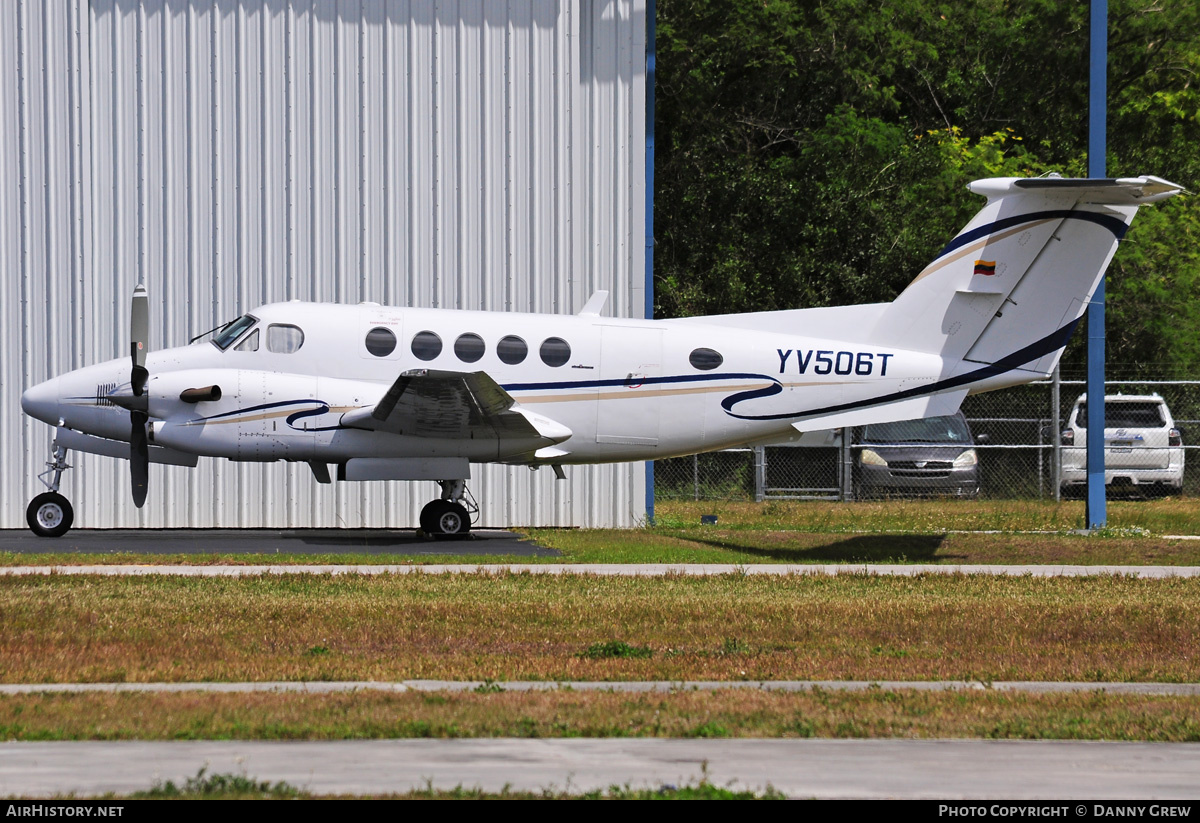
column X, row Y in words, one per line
column 532, row 627
column 727, row 713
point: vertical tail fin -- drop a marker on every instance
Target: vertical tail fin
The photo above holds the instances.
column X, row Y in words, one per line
column 1014, row 282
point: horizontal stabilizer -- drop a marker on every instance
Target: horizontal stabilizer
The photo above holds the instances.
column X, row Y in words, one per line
column 1123, row 191
column 935, row 405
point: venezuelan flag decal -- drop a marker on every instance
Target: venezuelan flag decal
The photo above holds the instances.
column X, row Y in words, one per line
column 985, row 267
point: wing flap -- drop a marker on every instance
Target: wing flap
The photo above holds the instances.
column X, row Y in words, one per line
column 456, row 405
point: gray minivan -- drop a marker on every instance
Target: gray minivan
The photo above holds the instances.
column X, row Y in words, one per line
column 933, row 456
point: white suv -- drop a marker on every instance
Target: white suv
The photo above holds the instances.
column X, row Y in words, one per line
column 1142, row 445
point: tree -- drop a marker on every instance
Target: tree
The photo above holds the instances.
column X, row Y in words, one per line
column 812, row 153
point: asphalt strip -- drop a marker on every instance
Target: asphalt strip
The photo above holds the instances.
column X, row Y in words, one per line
column 630, row 687
column 615, row 570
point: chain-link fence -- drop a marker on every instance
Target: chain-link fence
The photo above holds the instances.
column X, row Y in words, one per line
column 1023, row 442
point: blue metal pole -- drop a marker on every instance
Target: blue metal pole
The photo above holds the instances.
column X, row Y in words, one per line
column 1097, row 516
column 649, row 310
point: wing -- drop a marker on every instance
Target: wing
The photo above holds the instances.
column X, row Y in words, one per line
column 448, row 404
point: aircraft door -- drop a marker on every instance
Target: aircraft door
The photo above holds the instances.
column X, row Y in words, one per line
column 629, row 409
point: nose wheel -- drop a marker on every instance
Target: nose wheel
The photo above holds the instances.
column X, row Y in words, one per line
column 449, row 518
column 50, row 514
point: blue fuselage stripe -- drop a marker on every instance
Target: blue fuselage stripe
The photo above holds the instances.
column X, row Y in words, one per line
column 1050, row 343
column 1033, row 351
column 643, row 381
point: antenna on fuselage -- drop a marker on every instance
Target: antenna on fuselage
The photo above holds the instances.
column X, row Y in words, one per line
column 594, row 305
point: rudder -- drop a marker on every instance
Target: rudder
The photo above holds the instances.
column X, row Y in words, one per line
column 1023, row 269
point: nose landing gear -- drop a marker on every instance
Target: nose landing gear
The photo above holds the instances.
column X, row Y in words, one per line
column 450, row 516
column 50, row 514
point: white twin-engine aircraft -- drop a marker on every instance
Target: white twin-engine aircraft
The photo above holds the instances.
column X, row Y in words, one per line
column 419, row 394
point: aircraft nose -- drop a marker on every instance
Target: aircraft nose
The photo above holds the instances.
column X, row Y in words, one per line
column 41, row 402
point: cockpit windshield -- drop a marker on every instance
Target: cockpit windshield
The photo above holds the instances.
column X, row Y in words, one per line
column 232, row 330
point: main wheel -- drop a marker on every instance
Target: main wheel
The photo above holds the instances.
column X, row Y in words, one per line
column 444, row 519
column 49, row 515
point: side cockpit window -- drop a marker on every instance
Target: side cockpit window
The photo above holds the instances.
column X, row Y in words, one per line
column 283, row 338
column 250, row 343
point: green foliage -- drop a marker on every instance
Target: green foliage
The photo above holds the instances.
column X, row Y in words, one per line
column 234, row 786
column 815, row 154
column 1153, row 291
column 615, row 648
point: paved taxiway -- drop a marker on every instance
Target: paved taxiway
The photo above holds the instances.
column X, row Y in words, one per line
column 268, row 541
column 938, row 769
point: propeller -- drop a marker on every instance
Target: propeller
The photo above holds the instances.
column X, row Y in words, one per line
column 139, row 448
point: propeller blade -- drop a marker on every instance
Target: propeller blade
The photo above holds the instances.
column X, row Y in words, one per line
column 139, row 457
column 139, row 334
column 139, row 448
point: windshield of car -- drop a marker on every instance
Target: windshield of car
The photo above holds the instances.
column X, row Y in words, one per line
column 232, row 330
column 952, row 429
column 1147, row 415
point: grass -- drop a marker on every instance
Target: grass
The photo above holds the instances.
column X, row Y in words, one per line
column 493, row 628
column 206, row 786
column 746, row 546
column 532, row 627
column 734, row 545
column 616, row 648
column 906, row 531
column 1170, row 515
column 240, row 787
column 878, row 713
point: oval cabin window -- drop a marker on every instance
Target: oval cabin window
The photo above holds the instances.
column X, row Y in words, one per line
column 705, row 359
column 555, row 351
column 469, row 347
column 426, row 345
column 511, row 350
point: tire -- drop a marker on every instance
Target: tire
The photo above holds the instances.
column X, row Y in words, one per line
column 445, row 520
column 429, row 515
column 49, row 515
column 452, row 522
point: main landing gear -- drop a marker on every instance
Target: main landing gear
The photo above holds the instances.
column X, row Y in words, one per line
column 50, row 514
column 450, row 516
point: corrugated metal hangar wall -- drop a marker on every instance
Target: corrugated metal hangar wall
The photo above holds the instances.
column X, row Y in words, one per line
column 479, row 155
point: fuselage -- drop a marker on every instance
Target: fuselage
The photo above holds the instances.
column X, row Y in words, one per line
column 626, row 389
